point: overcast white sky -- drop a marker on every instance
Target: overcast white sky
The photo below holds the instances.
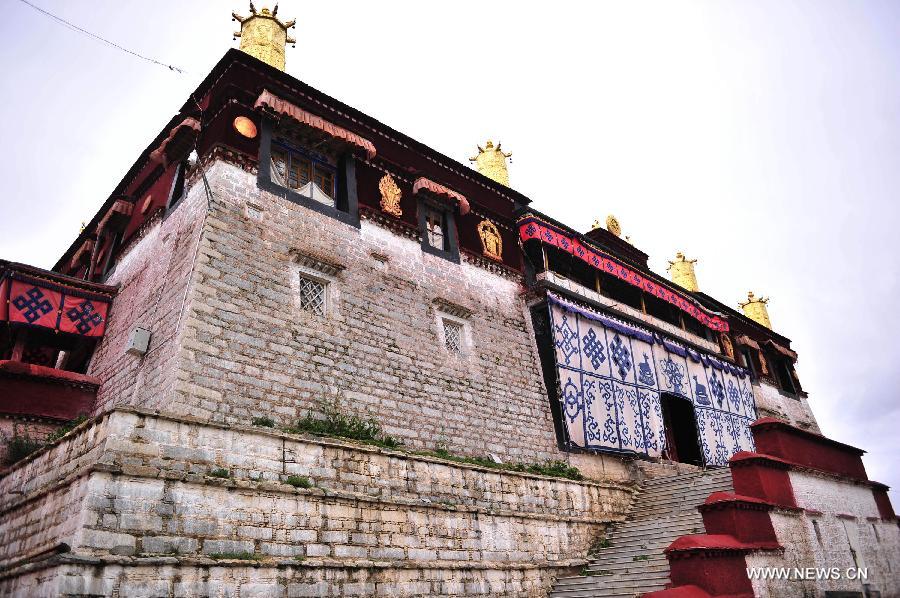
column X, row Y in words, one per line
column 762, row 137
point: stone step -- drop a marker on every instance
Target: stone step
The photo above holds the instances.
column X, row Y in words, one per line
column 649, row 496
column 602, row 590
column 595, row 581
column 622, row 539
column 653, row 494
column 686, row 482
column 663, row 525
column 642, row 568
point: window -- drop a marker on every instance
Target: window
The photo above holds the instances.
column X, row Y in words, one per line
column 312, row 295
column 437, row 229
column 453, row 335
column 785, row 375
column 434, row 229
column 177, row 191
column 309, row 176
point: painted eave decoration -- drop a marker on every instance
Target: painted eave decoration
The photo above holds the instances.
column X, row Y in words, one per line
column 531, row 227
column 34, row 297
column 269, row 101
column 423, row 183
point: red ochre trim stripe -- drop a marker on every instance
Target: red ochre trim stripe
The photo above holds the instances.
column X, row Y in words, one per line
column 532, row 228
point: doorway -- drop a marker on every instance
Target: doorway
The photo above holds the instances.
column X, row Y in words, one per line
column 682, row 439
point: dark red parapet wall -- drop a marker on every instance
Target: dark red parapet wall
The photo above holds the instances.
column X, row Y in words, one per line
column 742, row 517
column 883, row 501
column 33, row 390
column 780, row 439
column 763, row 477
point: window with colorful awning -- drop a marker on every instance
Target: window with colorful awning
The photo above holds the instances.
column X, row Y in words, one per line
column 532, row 228
column 37, row 298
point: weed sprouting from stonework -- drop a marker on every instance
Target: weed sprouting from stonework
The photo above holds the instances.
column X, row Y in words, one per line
column 66, row 428
column 220, row 473
column 553, row 469
column 264, row 422
column 298, row 481
column 235, row 556
column 341, row 425
column 19, row 447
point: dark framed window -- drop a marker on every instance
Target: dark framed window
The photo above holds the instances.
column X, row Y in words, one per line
column 438, row 228
column 306, row 177
column 298, row 170
column 783, row 374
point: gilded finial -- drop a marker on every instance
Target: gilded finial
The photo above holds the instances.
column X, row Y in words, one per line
column 682, row 271
column 491, row 162
column 596, row 224
column 264, row 36
column 613, row 226
column 756, row 308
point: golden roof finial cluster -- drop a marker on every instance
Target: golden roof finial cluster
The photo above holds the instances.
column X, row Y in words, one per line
column 682, row 271
column 756, row 309
column 491, row 162
column 613, row 226
column 264, row 36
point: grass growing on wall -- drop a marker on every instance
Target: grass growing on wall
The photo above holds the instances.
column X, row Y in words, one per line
column 338, row 424
column 19, row 446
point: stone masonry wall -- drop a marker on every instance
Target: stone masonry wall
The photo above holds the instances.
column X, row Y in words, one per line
column 771, row 402
column 250, row 350
column 838, row 527
column 153, row 276
column 132, row 495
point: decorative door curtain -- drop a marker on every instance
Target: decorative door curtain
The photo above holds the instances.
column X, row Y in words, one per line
column 34, row 302
column 610, row 377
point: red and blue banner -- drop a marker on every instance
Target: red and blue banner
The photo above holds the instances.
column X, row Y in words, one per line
column 532, row 228
column 34, row 302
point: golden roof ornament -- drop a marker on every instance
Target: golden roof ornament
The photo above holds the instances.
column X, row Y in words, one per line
column 390, row 195
column 264, row 36
column 756, row 309
column 596, row 224
column 613, row 226
column 491, row 162
column 682, row 272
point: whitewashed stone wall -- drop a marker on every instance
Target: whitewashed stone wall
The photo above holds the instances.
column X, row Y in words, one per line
column 839, row 527
column 132, row 496
column 771, row 402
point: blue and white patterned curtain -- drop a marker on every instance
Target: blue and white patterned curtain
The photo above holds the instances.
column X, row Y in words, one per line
column 611, row 375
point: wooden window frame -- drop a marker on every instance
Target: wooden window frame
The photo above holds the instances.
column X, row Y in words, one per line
column 346, row 208
column 451, row 242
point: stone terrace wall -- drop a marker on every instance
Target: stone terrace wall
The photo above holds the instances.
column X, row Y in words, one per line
column 149, row 515
column 250, row 350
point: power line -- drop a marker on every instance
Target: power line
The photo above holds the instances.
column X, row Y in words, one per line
column 98, row 38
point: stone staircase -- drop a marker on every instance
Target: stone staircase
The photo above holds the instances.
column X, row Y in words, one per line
column 633, row 562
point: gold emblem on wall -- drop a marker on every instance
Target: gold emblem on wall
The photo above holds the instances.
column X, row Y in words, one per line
column 612, row 225
column 390, row 195
column 727, row 345
column 491, row 241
